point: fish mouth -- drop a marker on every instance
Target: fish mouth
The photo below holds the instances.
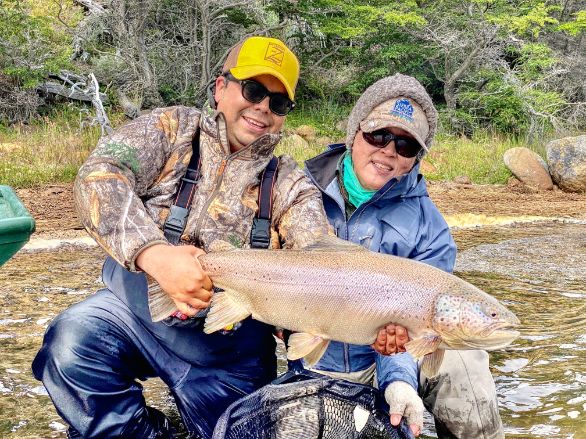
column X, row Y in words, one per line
column 496, row 336
column 500, row 329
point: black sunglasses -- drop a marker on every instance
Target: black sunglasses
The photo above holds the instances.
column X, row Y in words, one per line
column 405, row 146
column 252, row 91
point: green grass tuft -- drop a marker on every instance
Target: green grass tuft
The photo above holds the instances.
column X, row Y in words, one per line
column 479, row 158
column 49, row 150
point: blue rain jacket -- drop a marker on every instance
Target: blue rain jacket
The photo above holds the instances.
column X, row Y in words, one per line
column 401, row 220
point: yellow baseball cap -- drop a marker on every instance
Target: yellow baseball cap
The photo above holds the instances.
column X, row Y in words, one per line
column 264, row 55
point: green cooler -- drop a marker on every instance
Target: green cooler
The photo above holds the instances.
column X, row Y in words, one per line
column 16, row 224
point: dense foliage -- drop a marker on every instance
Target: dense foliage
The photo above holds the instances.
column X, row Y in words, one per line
column 517, row 67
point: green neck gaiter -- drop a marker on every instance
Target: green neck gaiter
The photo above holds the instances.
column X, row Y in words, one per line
column 356, row 193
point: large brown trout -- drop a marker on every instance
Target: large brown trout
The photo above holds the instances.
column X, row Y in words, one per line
column 335, row 290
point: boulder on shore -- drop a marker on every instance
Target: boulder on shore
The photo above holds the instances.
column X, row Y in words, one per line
column 528, row 167
column 566, row 159
column 307, row 132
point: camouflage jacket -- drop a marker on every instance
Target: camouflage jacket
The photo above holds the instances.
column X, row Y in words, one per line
column 124, row 191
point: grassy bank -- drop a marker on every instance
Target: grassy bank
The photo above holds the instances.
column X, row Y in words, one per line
column 48, row 150
column 51, row 150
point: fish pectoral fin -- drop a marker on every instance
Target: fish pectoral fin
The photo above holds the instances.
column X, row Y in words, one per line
column 423, row 345
column 432, row 362
column 161, row 305
column 332, row 243
column 224, row 311
column 309, row 346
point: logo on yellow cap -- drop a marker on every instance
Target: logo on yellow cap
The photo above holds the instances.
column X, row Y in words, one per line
column 275, row 54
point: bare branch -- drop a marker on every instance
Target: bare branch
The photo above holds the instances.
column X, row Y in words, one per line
column 101, row 116
column 91, row 5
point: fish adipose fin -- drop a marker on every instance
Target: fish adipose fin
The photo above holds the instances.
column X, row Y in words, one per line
column 309, row 346
column 161, row 305
column 423, row 345
column 432, row 362
column 223, row 312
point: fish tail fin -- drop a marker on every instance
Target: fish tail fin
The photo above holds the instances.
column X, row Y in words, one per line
column 223, row 312
column 309, row 346
column 432, row 362
column 161, row 305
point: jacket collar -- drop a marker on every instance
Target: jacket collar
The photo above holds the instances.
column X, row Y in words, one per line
column 213, row 123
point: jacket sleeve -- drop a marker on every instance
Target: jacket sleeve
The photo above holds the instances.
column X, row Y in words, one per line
column 119, row 174
column 398, row 367
column 435, row 245
column 298, row 213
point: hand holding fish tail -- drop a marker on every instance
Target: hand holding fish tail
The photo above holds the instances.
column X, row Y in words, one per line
column 179, row 274
column 391, row 339
column 403, row 400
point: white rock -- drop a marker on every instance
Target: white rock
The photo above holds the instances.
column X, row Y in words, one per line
column 57, row 426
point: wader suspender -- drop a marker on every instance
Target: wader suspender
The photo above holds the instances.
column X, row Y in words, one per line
column 177, row 219
column 260, row 235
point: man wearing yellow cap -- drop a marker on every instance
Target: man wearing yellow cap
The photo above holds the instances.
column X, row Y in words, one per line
column 94, row 352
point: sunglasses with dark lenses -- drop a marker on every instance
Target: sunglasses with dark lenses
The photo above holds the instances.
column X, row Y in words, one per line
column 252, row 91
column 405, row 146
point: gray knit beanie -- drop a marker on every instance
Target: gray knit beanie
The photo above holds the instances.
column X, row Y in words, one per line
column 388, row 88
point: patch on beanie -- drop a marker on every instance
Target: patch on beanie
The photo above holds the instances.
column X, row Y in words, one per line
column 403, row 109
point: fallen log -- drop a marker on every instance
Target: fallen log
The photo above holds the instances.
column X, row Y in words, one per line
column 72, row 86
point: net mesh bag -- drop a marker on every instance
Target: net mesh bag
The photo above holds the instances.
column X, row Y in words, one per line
column 307, row 406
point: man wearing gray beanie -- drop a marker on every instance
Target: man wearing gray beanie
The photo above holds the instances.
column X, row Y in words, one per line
column 374, row 196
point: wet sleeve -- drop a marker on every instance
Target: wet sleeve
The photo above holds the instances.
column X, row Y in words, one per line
column 398, row 367
column 111, row 185
column 298, row 213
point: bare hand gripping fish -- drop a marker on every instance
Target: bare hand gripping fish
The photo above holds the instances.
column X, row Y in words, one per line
column 336, row 290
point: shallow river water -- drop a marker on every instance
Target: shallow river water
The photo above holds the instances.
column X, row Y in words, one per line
column 538, row 269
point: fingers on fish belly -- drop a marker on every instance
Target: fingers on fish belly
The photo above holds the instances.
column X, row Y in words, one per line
column 223, row 312
column 307, row 346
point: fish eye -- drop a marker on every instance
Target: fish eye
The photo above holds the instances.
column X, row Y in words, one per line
column 493, row 314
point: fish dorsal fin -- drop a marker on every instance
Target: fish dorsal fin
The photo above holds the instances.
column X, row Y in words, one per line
column 423, row 345
column 220, row 245
column 332, row 243
column 432, row 362
column 310, row 347
column 224, row 311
